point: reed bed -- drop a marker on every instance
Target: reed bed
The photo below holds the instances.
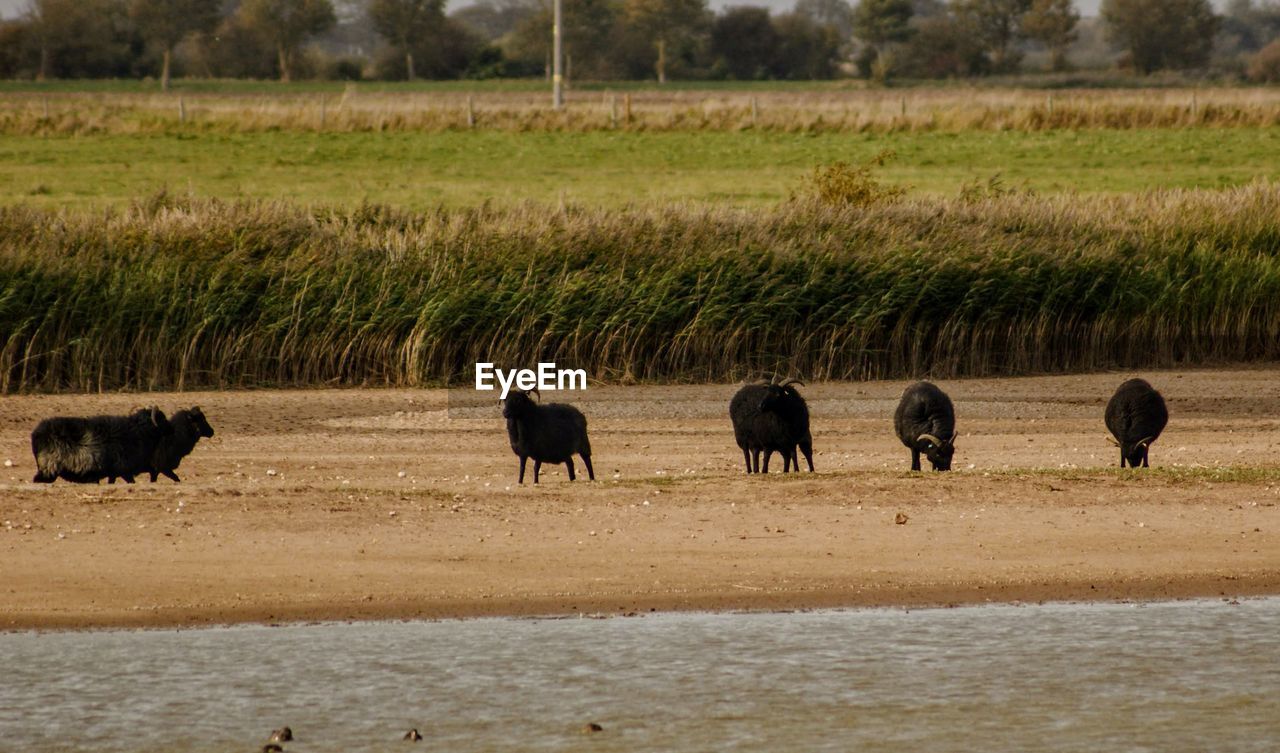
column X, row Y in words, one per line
column 829, row 110
column 190, row 294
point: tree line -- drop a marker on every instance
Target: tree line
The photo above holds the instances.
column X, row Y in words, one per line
column 627, row 39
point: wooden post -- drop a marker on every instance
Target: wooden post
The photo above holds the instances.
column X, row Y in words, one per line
column 46, row 106
column 626, row 106
column 613, row 110
column 182, row 109
column 755, row 112
column 1050, row 103
column 323, row 112
column 904, row 107
column 471, row 112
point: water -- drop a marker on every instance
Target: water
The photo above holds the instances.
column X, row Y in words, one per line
column 1187, row 676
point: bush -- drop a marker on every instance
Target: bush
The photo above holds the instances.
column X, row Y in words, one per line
column 1264, row 67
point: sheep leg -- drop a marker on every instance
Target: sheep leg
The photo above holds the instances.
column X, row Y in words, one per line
column 591, row 474
column 1145, row 450
column 170, row 474
column 127, row 479
column 1122, row 458
column 523, row 458
column 153, row 476
column 786, row 461
column 746, row 457
column 569, row 464
column 42, row 478
column 537, row 469
column 755, row 461
column 767, row 454
column 807, row 449
column 111, row 479
column 915, row 460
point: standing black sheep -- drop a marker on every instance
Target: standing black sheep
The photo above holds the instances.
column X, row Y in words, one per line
column 1136, row 415
column 188, row 427
column 926, row 423
column 87, row 450
column 771, row 417
column 551, row 433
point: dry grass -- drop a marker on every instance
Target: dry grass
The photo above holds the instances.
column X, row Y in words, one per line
column 187, row 294
column 833, row 110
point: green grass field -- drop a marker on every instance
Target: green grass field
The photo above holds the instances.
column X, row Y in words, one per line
column 459, row 168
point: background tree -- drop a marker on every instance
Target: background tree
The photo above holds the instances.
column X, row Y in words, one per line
column 1162, row 33
column 495, row 19
column 878, row 24
column 287, row 24
column 744, row 43
column 165, row 23
column 998, row 24
column 944, row 45
column 402, row 22
column 80, row 39
column 836, row 15
column 663, row 23
column 1053, row 24
column 807, row 50
column 588, row 32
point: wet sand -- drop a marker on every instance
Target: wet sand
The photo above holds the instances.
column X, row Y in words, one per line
column 361, row 504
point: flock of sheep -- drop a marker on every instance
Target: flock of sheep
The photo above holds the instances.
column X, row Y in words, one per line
column 768, row 417
column 772, row 416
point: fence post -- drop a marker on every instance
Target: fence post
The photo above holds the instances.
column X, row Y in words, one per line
column 182, row 109
column 626, row 106
column 755, row 112
column 613, row 110
column 471, row 112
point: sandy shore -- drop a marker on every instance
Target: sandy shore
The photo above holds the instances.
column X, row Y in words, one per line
column 358, row 504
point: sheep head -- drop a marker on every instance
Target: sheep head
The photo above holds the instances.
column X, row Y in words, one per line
column 938, row 451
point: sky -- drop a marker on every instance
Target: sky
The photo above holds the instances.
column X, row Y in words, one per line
column 11, row 8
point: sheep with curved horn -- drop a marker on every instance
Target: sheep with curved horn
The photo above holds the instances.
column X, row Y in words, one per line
column 925, row 422
column 1135, row 416
column 771, row 416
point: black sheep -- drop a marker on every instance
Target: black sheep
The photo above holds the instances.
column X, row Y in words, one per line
column 188, row 427
column 1135, row 416
column 771, row 417
column 87, row 450
column 551, row 433
column 926, row 423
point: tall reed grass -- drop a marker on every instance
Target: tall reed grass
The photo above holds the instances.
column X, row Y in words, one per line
column 835, row 110
column 184, row 294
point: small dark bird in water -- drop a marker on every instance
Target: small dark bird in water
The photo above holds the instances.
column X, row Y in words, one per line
column 282, row 735
column 272, row 748
column 413, row 735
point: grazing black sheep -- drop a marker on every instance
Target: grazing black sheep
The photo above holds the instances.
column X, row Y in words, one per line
column 87, row 450
column 551, row 433
column 188, row 427
column 926, row 423
column 771, row 417
column 1135, row 416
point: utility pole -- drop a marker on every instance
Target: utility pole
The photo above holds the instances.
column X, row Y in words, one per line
column 557, row 59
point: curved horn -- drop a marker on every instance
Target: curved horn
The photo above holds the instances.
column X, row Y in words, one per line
column 761, row 382
column 954, row 436
column 929, row 437
column 1113, row 440
column 1145, row 442
column 535, row 391
column 789, row 382
column 154, row 410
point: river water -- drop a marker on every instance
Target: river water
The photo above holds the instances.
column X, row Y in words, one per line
column 1184, row 676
